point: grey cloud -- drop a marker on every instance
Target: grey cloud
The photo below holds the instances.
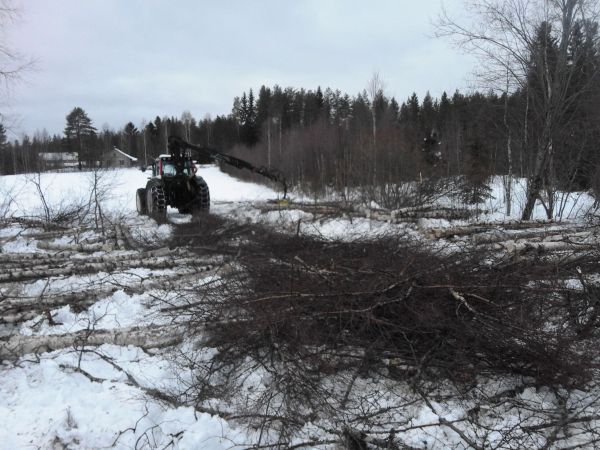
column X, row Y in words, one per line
column 130, row 60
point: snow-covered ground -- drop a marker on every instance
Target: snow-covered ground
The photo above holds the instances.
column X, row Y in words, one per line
column 46, row 402
column 69, row 398
column 63, row 188
column 238, row 199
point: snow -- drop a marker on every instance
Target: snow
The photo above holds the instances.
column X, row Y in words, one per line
column 115, row 311
column 572, row 205
column 75, row 186
column 44, row 405
column 47, row 403
column 235, row 198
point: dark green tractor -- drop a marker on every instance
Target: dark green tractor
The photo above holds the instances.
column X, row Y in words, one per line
column 174, row 181
column 185, row 191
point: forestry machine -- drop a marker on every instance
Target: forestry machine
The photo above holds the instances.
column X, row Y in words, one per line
column 174, row 181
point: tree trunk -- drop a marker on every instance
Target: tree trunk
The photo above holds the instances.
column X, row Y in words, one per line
column 509, row 177
column 147, row 337
column 542, row 161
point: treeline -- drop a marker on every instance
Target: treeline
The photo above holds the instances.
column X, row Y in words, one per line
column 91, row 145
column 328, row 140
column 338, row 142
column 545, row 128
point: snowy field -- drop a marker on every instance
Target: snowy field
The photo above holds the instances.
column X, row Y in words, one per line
column 75, row 397
column 62, row 188
column 44, row 403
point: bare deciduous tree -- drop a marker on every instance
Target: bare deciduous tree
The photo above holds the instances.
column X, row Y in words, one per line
column 504, row 34
column 188, row 121
column 375, row 88
column 12, row 63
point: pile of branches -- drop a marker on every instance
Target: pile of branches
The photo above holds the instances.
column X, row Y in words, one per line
column 438, row 315
column 306, row 311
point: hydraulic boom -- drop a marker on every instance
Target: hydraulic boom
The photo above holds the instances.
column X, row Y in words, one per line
column 178, row 147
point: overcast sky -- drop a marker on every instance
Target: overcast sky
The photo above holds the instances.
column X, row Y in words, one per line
column 130, row 60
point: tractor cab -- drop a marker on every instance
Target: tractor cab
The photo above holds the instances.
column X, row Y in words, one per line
column 164, row 166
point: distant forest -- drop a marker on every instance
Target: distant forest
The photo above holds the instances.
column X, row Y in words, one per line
column 326, row 140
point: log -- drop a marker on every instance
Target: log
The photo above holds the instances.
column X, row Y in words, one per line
column 24, row 258
column 500, row 235
column 89, row 248
column 55, row 234
column 145, row 337
column 129, row 238
column 85, row 297
column 40, row 256
column 465, row 230
column 430, row 212
column 520, row 247
column 314, row 208
column 34, row 223
column 40, row 303
column 581, row 235
column 408, row 210
column 108, row 266
column 18, row 317
column 98, row 238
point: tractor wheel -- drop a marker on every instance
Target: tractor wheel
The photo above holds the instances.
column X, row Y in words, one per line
column 202, row 201
column 156, row 202
column 140, row 201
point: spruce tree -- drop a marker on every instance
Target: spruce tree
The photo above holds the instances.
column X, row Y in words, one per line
column 413, row 109
column 130, row 131
column 427, row 114
column 247, row 119
column 80, row 135
column 3, row 138
column 263, row 105
column 3, row 150
column 476, row 188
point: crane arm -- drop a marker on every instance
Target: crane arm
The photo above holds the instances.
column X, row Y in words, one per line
column 177, row 148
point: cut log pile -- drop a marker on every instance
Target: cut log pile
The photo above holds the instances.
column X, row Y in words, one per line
column 541, row 238
column 16, row 308
column 63, row 253
column 16, row 270
column 489, row 227
column 523, row 239
column 408, row 214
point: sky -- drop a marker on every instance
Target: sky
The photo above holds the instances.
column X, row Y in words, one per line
column 131, row 60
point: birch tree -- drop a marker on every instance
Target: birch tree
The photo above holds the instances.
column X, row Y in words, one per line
column 501, row 28
column 12, row 63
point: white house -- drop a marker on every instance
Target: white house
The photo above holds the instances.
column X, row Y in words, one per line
column 60, row 160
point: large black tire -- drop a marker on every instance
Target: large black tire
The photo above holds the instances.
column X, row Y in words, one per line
column 140, row 201
column 156, row 202
column 201, row 203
